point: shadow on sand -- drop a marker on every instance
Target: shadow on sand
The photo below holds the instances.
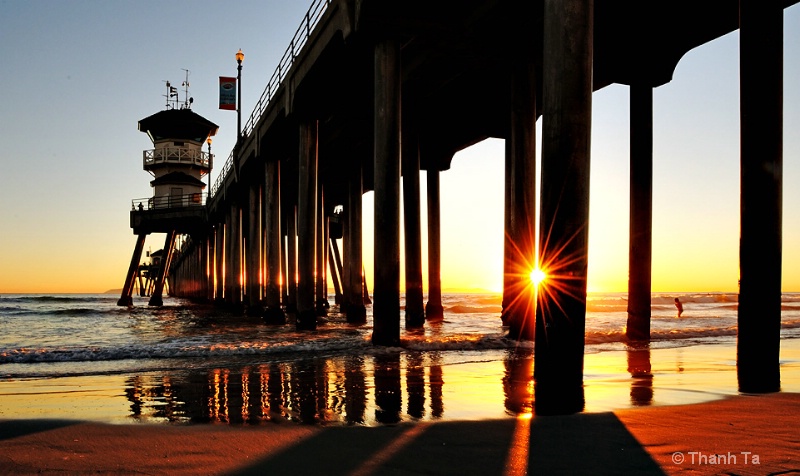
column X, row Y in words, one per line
column 577, row 444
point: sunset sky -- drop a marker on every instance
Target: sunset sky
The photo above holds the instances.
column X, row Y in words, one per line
column 78, row 75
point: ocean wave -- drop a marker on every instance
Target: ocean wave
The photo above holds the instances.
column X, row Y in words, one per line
column 54, row 299
column 181, row 350
column 465, row 309
column 606, row 306
column 332, row 345
column 61, row 311
column 710, row 298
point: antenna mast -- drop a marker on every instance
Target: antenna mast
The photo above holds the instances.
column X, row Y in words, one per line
column 187, row 101
column 172, row 94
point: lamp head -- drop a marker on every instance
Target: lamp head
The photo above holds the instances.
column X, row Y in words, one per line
column 239, row 56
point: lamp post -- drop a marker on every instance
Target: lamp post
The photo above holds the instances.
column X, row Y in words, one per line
column 210, row 158
column 239, row 59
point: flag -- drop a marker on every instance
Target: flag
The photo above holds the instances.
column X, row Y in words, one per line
column 227, row 93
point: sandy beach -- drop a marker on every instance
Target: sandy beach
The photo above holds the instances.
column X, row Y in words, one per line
column 739, row 435
column 683, row 414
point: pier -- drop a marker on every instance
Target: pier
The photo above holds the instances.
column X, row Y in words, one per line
column 370, row 91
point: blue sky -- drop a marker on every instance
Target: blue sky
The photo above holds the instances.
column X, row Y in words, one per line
column 78, row 75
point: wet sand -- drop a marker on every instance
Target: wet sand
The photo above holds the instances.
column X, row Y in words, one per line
column 637, row 420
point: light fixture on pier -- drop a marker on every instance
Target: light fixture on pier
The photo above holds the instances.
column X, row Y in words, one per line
column 239, row 59
column 210, row 159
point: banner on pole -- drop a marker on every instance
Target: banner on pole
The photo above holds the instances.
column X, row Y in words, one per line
column 227, row 93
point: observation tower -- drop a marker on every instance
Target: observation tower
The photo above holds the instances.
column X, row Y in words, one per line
column 177, row 164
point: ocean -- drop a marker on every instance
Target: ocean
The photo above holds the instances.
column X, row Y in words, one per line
column 82, row 356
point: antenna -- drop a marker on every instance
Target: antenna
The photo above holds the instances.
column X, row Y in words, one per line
column 186, row 101
column 166, row 95
column 172, row 92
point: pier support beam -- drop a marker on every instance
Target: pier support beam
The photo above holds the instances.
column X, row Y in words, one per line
column 228, row 264
column 354, row 258
column 219, row 263
column 125, row 298
column 210, row 265
column 433, row 309
column 235, row 259
column 163, row 271
column 640, row 247
column 415, row 308
column 291, row 259
column 321, row 281
column 253, row 261
column 336, row 259
column 564, row 229
column 386, row 307
column 520, row 246
column 335, row 272
column 508, row 248
column 760, row 253
column 273, row 314
column 284, row 259
column 306, row 225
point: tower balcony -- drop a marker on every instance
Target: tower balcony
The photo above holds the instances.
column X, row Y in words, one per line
column 185, row 214
column 178, row 156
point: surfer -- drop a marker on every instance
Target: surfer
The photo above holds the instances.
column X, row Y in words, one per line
column 679, row 305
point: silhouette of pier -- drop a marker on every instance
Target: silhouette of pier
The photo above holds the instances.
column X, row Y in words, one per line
column 371, row 91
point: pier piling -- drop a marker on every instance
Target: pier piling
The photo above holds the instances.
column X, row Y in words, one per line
column 386, row 306
column 415, row 311
column 641, row 213
column 564, row 226
column 760, row 245
column 306, row 225
column 433, row 309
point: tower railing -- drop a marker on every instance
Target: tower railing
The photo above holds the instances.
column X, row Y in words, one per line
column 168, row 201
column 310, row 20
column 176, row 155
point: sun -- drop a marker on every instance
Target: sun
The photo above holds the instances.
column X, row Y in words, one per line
column 537, row 276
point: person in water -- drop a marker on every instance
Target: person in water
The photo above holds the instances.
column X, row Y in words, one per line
column 679, row 305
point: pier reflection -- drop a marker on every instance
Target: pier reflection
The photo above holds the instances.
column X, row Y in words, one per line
column 518, row 381
column 388, row 397
column 351, row 390
column 523, row 396
column 641, row 375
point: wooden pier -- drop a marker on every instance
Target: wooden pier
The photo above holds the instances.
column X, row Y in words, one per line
column 372, row 90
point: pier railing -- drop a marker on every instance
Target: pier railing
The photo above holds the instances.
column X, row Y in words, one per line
column 176, row 155
column 310, row 20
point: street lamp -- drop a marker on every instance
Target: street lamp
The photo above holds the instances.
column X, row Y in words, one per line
column 210, row 162
column 239, row 59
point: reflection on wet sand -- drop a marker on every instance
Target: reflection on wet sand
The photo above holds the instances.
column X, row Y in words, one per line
column 641, row 375
column 386, row 388
column 333, row 391
column 518, row 381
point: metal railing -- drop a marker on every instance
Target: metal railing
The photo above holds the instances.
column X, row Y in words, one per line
column 169, row 201
column 310, row 20
column 176, row 155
